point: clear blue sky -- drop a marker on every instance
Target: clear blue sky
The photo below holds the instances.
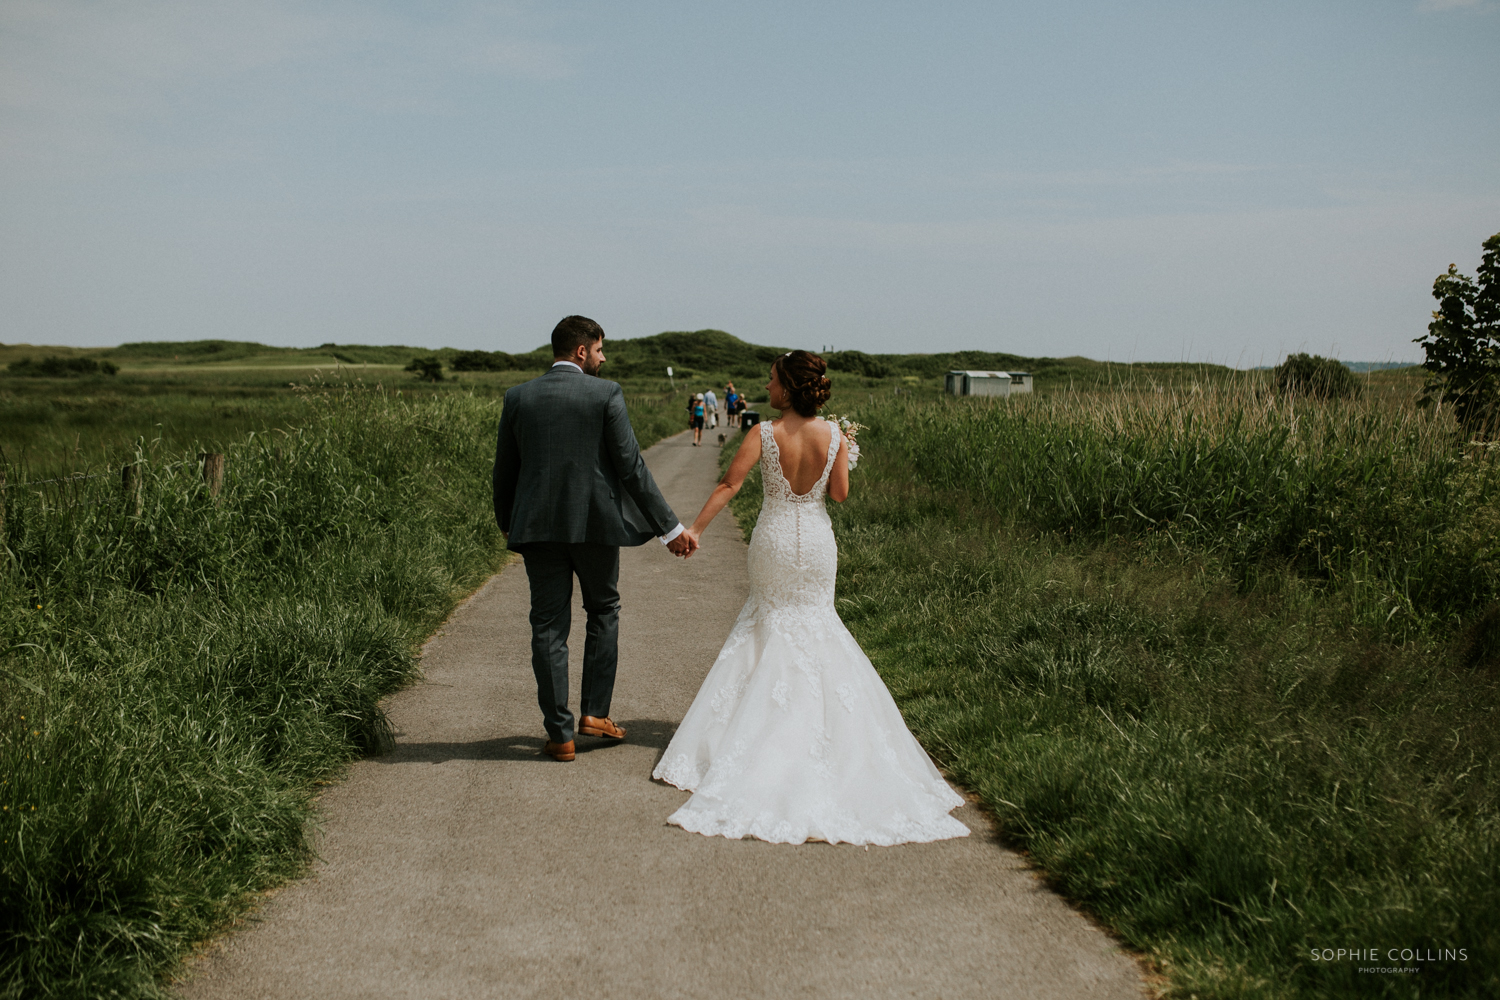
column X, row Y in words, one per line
column 1134, row 181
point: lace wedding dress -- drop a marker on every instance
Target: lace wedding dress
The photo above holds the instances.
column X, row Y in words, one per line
column 793, row 736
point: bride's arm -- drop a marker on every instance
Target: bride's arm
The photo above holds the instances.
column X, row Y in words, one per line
column 838, row 476
column 744, row 460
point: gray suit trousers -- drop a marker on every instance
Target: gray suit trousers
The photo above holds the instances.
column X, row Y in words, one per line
column 550, row 568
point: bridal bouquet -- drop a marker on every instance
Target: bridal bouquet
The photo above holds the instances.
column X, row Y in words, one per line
column 851, row 433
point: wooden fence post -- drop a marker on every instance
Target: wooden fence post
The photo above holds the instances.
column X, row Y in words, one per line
column 2, row 508
column 213, row 471
column 130, row 483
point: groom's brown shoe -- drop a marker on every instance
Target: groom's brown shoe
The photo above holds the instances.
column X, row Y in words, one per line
column 592, row 726
column 559, row 751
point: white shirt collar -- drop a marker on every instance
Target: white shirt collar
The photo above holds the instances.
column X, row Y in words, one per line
column 568, row 363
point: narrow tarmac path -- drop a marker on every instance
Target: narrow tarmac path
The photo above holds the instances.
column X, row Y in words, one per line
column 463, row 864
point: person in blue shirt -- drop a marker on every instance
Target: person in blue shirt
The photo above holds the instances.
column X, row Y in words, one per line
column 731, row 405
column 698, row 412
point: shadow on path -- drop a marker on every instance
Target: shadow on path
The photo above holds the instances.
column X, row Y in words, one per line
column 654, row 734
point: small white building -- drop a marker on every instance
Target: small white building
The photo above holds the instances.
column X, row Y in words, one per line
column 976, row 383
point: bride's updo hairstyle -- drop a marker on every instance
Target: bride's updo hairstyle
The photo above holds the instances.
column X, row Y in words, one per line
column 802, row 376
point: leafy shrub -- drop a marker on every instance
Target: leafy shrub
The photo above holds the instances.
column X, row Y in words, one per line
column 483, row 361
column 1463, row 342
column 1315, row 376
column 54, row 367
column 428, row 369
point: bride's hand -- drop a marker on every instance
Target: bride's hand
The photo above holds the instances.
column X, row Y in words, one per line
column 692, row 538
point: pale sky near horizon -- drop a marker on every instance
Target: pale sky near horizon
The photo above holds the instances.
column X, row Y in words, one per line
column 1128, row 181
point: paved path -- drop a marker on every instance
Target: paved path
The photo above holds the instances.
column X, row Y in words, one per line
column 465, row 865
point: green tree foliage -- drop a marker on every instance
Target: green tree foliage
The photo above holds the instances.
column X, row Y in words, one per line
column 483, row 361
column 1316, row 376
column 1463, row 342
column 427, row 369
column 54, row 367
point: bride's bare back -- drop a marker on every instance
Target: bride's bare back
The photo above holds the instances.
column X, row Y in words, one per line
column 804, row 451
column 802, row 442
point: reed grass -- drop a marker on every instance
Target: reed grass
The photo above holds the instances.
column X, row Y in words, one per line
column 1377, row 498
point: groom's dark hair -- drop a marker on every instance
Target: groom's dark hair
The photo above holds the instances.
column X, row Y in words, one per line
column 574, row 332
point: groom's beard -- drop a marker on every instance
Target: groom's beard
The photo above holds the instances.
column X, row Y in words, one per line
column 590, row 366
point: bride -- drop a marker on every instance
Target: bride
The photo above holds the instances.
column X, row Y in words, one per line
column 793, row 736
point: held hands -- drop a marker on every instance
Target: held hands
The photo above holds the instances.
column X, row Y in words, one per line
column 684, row 544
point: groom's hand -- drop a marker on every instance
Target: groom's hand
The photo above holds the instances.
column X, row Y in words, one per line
column 682, row 545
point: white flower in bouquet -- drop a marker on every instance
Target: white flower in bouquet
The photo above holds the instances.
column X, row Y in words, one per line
column 851, row 433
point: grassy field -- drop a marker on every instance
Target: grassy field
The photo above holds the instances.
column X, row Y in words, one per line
column 204, row 394
column 1221, row 664
column 1227, row 668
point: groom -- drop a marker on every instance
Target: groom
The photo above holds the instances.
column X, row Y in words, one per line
column 570, row 489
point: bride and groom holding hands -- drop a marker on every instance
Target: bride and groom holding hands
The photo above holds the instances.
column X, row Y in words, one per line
column 793, row 736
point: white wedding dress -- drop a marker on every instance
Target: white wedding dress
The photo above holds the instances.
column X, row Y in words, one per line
column 793, row 736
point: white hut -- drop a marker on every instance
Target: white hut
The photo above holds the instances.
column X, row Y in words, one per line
column 977, row 383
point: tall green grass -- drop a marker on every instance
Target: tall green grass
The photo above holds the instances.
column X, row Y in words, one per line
column 56, row 427
column 1379, row 499
column 174, row 681
column 1232, row 753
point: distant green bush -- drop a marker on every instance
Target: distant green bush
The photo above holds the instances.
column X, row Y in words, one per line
column 709, row 354
column 857, row 363
column 482, row 361
column 1315, row 376
column 214, row 352
column 428, row 369
column 54, row 367
column 194, row 350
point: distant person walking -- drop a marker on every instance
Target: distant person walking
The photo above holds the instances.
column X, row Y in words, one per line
column 731, row 405
column 711, row 408
column 697, row 421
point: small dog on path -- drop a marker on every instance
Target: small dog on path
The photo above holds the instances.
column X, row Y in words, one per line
column 721, row 440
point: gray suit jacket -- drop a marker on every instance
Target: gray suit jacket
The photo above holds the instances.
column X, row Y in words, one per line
column 568, row 469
